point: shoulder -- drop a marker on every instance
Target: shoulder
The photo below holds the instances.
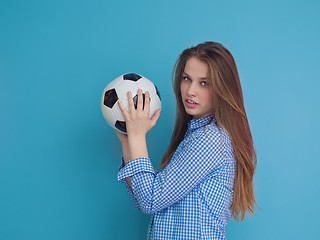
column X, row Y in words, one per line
column 214, row 136
column 208, row 132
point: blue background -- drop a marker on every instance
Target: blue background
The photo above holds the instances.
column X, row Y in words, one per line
column 59, row 158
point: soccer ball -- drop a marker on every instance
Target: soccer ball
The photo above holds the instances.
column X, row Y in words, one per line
column 117, row 90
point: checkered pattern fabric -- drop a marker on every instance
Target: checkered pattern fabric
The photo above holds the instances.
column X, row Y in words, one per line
column 191, row 197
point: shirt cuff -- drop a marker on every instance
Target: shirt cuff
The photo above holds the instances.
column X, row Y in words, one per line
column 135, row 166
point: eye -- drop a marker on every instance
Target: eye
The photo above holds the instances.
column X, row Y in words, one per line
column 186, row 78
column 204, row 83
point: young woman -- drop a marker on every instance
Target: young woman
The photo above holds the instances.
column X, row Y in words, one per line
column 206, row 175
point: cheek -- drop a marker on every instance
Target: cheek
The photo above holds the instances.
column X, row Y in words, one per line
column 209, row 99
column 182, row 88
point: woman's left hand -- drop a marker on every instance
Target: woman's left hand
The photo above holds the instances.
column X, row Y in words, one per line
column 137, row 120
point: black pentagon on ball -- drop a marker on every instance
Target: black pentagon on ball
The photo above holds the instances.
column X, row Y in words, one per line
column 158, row 93
column 131, row 76
column 135, row 100
column 121, row 126
column 110, row 98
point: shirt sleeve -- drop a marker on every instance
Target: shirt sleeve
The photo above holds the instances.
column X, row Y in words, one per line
column 199, row 156
column 121, row 176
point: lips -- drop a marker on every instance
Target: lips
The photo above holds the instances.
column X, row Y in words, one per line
column 190, row 104
column 190, row 101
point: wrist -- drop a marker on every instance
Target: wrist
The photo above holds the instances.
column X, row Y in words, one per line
column 137, row 146
column 136, row 137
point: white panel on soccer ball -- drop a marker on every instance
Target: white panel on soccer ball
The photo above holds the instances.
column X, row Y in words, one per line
column 114, row 83
column 102, row 99
column 146, row 85
column 124, row 87
column 117, row 112
column 108, row 115
column 155, row 104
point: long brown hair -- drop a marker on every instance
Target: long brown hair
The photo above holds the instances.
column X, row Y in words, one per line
column 230, row 114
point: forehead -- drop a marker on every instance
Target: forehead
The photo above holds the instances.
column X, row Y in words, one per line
column 196, row 67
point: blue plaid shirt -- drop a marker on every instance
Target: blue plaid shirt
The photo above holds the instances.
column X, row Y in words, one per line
column 191, row 197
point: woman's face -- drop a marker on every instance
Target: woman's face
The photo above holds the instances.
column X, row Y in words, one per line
column 196, row 93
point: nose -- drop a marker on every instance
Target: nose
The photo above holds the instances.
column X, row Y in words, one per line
column 192, row 91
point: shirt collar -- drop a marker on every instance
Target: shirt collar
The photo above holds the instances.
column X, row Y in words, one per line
column 200, row 122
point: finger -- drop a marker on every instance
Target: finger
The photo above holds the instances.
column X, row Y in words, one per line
column 130, row 102
column 155, row 117
column 147, row 103
column 140, row 100
column 123, row 110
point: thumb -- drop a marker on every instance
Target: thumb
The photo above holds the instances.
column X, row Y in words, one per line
column 155, row 117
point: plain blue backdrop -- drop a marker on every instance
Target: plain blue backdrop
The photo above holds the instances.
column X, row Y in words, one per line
column 59, row 158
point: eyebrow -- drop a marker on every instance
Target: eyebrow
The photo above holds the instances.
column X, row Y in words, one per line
column 202, row 78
